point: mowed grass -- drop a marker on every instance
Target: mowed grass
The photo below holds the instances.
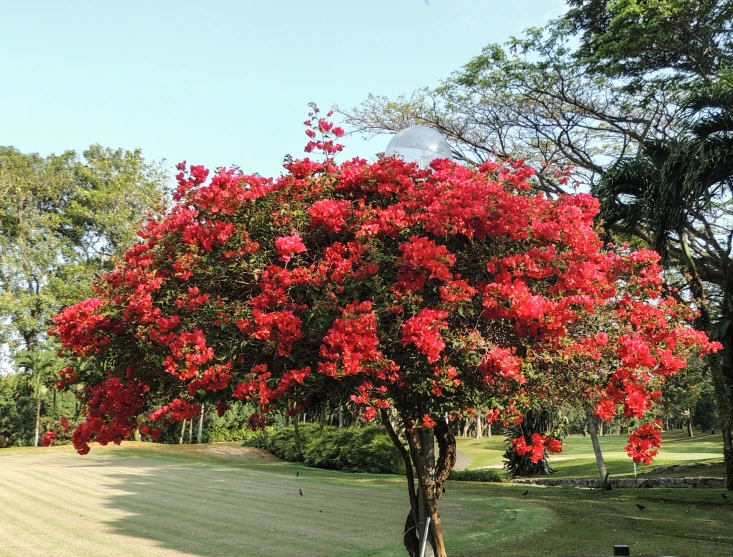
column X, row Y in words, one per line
column 152, row 500
column 170, row 501
column 577, row 459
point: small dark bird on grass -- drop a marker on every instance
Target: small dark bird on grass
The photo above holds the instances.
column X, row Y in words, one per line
column 640, row 507
column 301, row 492
column 297, row 473
column 443, row 490
column 525, row 493
column 724, row 496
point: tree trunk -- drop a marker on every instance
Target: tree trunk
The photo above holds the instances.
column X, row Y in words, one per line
column 591, row 423
column 341, row 417
column 488, row 429
column 689, row 424
column 190, row 430
column 296, row 434
column 322, row 418
column 431, row 476
column 466, row 427
column 479, row 433
column 38, row 419
column 426, row 490
column 201, row 424
column 724, row 397
column 183, row 430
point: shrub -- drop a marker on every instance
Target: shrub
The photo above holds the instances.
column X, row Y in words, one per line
column 483, row 475
column 366, row 449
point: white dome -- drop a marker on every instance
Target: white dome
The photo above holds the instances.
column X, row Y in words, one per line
column 419, row 144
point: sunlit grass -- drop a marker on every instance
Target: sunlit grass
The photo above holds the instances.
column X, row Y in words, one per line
column 142, row 500
column 578, row 461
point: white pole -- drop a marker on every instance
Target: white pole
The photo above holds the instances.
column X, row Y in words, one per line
column 634, row 469
column 425, row 537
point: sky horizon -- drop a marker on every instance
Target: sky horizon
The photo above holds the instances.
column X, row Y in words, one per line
column 229, row 82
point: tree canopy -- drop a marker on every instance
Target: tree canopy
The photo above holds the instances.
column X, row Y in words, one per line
column 635, row 38
column 61, row 219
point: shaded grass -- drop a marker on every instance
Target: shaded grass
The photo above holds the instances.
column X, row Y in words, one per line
column 173, row 501
column 674, row 522
column 577, row 459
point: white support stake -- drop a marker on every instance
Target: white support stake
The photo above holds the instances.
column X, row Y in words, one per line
column 634, row 469
column 425, row 537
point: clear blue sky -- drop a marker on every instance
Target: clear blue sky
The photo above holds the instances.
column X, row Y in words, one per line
column 222, row 82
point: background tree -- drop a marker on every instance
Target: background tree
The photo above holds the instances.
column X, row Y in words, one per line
column 62, row 217
column 532, row 99
column 687, row 39
column 40, row 367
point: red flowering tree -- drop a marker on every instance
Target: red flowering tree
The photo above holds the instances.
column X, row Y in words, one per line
column 418, row 294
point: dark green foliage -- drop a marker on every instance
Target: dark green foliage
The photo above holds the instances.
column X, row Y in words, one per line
column 632, row 38
column 366, row 449
column 18, row 411
column 232, row 426
column 544, row 420
column 706, row 415
column 484, row 475
column 16, row 415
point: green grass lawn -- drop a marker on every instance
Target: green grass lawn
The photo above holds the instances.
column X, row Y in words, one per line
column 577, row 459
column 213, row 501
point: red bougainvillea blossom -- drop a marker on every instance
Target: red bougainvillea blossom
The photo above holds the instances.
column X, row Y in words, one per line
column 644, row 442
column 537, row 447
column 48, row 438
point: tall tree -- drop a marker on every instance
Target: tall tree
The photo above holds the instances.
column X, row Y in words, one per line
column 531, row 98
column 61, row 219
column 40, row 367
column 676, row 194
column 639, row 39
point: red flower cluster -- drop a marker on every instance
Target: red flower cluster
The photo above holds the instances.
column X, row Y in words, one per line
column 501, row 362
column 351, row 343
column 48, row 438
column 644, row 442
column 536, row 448
column 288, row 245
column 283, row 328
column 331, row 214
column 82, row 329
column 423, row 330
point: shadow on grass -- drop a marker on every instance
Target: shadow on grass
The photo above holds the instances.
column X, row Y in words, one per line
column 212, row 510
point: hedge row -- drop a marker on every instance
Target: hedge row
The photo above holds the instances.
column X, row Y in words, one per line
column 480, row 475
column 363, row 449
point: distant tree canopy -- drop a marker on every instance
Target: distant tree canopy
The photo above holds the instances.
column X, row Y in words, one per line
column 62, row 218
column 689, row 39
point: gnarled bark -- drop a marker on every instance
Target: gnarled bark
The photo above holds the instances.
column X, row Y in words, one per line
column 419, row 458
